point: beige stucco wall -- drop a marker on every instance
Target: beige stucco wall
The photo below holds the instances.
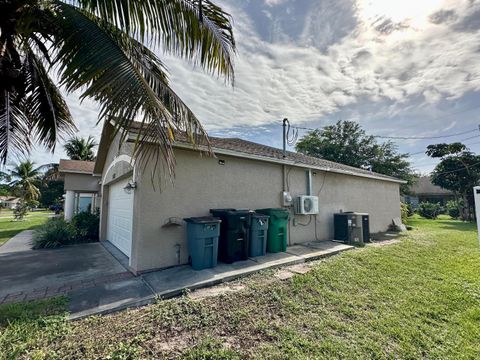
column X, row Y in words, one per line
column 81, row 182
column 201, row 184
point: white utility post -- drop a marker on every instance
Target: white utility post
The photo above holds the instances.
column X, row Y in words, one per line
column 69, row 205
column 476, row 196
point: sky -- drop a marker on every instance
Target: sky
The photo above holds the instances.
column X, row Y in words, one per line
column 399, row 68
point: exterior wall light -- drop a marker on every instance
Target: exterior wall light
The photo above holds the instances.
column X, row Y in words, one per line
column 130, row 186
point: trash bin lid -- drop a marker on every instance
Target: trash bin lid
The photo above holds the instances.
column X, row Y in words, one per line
column 221, row 211
column 239, row 212
column 260, row 216
column 203, row 220
column 278, row 213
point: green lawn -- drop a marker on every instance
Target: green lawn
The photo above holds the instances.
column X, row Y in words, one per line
column 419, row 298
column 9, row 228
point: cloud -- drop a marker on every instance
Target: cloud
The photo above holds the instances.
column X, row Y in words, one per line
column 319, row 61
column 443, row 16
column 278, row 78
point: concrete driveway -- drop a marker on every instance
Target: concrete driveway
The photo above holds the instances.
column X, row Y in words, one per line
column 36, row 269
column 96, row 282
column 87, row 273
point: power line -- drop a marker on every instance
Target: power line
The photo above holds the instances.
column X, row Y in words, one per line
column 468, row 138
column 459, row 169
column 424, row 137
column 399, row 137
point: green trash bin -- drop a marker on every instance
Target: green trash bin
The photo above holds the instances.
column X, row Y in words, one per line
column 258, row 235
column 202, row 236
column 277, row 229
column 234, row 234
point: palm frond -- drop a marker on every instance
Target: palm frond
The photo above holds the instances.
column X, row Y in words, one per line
column 14, row 127
column 196, row 30
column 127, row 79
column 44, row 105
column 78, row 148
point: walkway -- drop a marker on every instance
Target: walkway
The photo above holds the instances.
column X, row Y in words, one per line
column 96, row 282
column 20, row 242
column 174, row 281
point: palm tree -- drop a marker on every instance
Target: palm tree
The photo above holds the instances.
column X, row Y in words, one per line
column 25, row 179
column 100, row 48
column 78, row 148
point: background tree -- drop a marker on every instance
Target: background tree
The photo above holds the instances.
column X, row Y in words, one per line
column 26, row 178
column 5, row 190
column 51, row 192
column 78, row 148
column 347, row 143
column 98, row 48
column 51, row 186
column 457, row 171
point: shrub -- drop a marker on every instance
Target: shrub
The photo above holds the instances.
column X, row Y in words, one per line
column 429, row 210
column 20, row 211
column 54, row 233
column 453, row 208
column 86, row 226
column 410, row 209
column 404, row 212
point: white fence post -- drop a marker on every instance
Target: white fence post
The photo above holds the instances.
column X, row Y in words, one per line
column 476, row 196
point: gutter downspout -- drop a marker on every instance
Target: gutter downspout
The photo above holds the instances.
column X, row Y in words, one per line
column 284, row 174
column 309, row 181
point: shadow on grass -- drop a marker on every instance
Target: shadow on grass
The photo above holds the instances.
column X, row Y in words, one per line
column 31, row 311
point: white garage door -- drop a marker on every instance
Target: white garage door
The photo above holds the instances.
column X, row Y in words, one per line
column 120, row 217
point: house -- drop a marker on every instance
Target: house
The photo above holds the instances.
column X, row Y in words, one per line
column 82, row 188
column 425, row 191
column 9, row 202
column 144, row 221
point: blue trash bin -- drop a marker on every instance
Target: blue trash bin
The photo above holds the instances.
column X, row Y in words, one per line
column 202, row 236
column 258, row 235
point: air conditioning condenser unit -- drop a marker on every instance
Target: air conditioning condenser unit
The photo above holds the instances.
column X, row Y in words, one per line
column 306, row 205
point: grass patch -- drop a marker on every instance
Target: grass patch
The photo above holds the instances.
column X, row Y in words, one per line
column 23, row 326
column 9, row 228
column 419, row 298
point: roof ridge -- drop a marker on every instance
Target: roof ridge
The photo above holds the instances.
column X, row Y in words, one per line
column 313, row 158
column 239, row 145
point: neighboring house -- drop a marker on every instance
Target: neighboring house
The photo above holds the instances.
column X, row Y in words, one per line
column 425, row 191
column 9, row 202
column 82, row 188
column 136, row 214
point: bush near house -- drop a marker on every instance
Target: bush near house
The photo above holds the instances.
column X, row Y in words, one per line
column 429, row 210
column 411, row 210
column 404, row 212
column 453, row 208
column 58, row 232
column 86, row 226
column 54, row 233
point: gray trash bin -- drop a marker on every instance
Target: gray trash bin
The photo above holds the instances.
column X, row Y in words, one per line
column 202, row 236
column 258, row 235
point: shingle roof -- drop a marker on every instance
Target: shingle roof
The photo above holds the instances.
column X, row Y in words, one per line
column 76, row 166
column 241, row 146
column 251, row 148
column 424, row 186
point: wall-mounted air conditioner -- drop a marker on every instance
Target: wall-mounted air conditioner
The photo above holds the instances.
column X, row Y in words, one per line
column 306, row 205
